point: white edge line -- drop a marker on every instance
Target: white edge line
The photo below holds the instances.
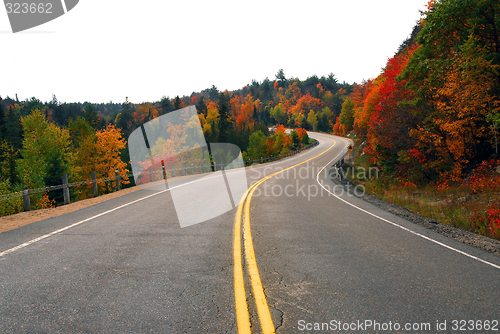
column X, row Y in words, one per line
column 75, row 224
column 397, row 225
column 90, row 218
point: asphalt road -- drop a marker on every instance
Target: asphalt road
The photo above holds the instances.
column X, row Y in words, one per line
column 322, row 260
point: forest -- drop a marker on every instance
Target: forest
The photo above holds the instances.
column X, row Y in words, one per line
column 430, row 121
column 41, row 141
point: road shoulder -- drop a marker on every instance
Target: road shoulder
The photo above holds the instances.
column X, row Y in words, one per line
column 12, row 222
column 475, row 240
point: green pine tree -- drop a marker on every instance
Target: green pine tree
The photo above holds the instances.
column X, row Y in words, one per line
column 2, row 121
column 90, row 115
column 56, row 168
column 224, row 120
column 201, row 107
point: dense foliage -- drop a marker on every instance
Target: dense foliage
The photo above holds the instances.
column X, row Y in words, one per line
column 41, row 141
column 434, row 112
column 431, row 120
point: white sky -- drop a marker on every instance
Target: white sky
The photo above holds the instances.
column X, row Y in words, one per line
column 104, row 50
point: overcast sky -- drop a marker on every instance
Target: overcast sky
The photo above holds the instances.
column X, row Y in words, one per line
column 105, row 50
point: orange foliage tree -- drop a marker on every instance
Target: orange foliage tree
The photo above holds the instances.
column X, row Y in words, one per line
column 99, row 152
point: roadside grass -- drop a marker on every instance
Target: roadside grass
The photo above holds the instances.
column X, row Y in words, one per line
column 457, row 205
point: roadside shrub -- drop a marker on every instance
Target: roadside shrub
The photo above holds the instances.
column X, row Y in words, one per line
column 9, row 206
column 487, row 222
column 483, row 178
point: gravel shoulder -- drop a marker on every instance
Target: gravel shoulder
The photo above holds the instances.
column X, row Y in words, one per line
column 12, row 222
column 475, row 240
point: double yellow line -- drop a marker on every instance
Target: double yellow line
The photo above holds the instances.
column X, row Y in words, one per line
column 242, row 315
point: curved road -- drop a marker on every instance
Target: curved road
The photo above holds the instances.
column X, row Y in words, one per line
column 306, row 257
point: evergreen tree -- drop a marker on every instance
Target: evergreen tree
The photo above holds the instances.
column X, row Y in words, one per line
column 8, row 163
column 213, row 93
column 56, row 168
column 265, row 88
column 255, row 114
column 295, row 138
column 280, row 77
column 201, row 107
column 13, row 129
column 323, row 125
column 166, row 105
column 90, row 115
column 57, row 116
column 124, row 119
column 2, row 121
column 224, row 120
column 305, row 139
column 31, row 104
column 178, row 103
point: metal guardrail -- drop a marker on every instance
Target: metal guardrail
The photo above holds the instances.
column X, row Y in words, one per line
column 51, row 188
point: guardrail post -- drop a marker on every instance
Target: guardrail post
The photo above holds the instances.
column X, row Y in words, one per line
column 163, row 172
column 94, row 184
column 26, row 200
column 65, row 189
column 117, row 180
column 150, row 174
column 173, row 170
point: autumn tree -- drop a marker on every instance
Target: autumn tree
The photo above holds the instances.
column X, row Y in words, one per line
column 278, row 113
column 346, row 117
column 110, row 143
column 256, row 147
column 45, row 150
column 312, row 119
column 457, row 83
column 281, row 141
column 391, row 117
